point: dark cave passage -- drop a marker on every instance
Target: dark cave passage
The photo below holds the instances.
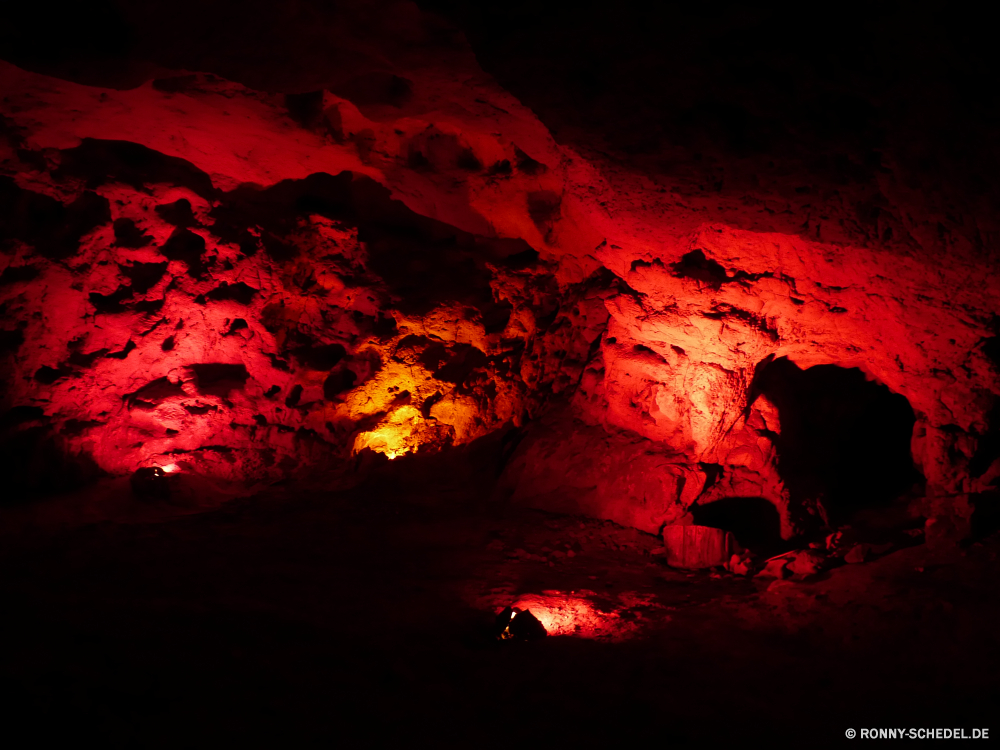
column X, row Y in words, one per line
column 844, row 439
column 752, row 520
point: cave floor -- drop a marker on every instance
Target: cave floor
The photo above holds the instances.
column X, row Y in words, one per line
column 298, row 615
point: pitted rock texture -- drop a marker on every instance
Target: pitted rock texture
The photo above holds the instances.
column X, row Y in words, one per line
column 254, row 269
column 249, row 332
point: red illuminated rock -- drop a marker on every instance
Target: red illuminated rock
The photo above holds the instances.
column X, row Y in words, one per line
column 568, row 466
column 403, row 258
column 696, row 547
column 777, row 568
column 805, row 563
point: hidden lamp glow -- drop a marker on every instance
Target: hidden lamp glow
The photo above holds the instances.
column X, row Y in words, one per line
column 152, row 482
column 513, row 624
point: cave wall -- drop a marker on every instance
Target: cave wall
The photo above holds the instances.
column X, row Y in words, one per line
column 250, row 314
column 256, row 268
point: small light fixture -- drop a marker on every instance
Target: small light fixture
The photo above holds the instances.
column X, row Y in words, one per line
column 150, row 482
column 513, row 624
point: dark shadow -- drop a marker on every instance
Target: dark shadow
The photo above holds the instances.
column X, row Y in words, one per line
column 843, row 438
column 753, row 521
column 144, row 276
column 238, row 292
column 987, row 444
column 985, row 518
column 422, row 261
column 34, row 460
column 99, row 162
column 219, row 379
column 52, row 227
column 179, row 213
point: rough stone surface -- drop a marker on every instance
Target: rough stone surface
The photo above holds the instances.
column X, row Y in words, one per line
column 255, row 271
column 697, row 547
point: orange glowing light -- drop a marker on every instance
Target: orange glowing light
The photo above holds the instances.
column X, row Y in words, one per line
column 170, row 468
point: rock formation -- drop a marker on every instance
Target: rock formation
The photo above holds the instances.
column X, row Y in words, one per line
column 251, row 270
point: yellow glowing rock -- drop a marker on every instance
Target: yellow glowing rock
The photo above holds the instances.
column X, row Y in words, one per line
column 395, row 435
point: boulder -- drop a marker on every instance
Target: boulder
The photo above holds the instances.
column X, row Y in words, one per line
column 695, row 547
